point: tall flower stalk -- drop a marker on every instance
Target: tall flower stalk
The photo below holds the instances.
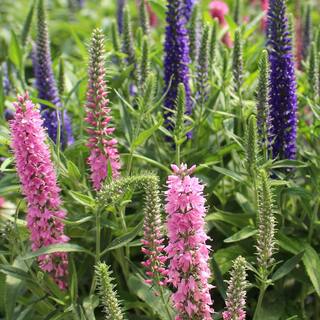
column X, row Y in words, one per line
column 194, row 31
column 46, row 85
column 153, row 239
column 188, row 8
column 202, row 76
column 187, row 251
column 283, row 96
column 236, row 293
column 266, row 244
column 307, row 32
column 103, row 149
column 176, row 59
column 120, row 7
column 107, row 292
column 263, row 102
column 39, row 185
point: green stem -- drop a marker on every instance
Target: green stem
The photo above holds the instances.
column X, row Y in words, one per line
column 98, row 247
column 313, row 220
column 260, row 299
column 178, row 154
column 98, row 235
column 131, row 149
column 127, row 249
column 165, row 303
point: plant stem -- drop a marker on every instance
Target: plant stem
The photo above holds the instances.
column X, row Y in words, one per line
column 260, row 299
column 98, row 235
column 136, row 132
column 165, row 303
column 178, row 151
column 98, row 247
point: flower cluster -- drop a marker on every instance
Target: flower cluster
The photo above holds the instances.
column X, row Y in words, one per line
column 187, row 251
column 236, row 293
column 46, row 84
column 176, row 60
column 103, row 150
column 107, row 292
column 39, row 185
column 283, row 96
column 153, row 238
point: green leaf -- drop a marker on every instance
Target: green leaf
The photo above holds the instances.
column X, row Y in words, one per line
column 225, row 256
column 147, row 294
column 311, row 262
column 124, row 239
column 236, row 219
column 66, row 247
column 287, row 267
column 288, row 164
column 2, row 292
column 5, row 164
column 310, row 258
column 73, row 170
column 145, row 135
column 149, row 160
column 27, row 25
column 219, row 279
column 15, row 54
column 158, row 8
column 14, row 285
column 244, row 233
column 15, row 272
column 293, row 246
column 89, row 304
column 298, row 191
column 83, row 199
column 229, row 173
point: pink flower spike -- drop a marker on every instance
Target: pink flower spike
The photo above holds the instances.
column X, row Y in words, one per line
column 187, row 251
column 39, row 185
column 103, row 148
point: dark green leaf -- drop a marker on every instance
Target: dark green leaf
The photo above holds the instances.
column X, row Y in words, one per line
column 244, row 233
column 66, row 247
column 82, row 199
column 287, row 267
column 125, row 239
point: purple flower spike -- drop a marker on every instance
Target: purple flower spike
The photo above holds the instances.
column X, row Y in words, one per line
column 46, row 84
column 177, row 58
column 283, row 97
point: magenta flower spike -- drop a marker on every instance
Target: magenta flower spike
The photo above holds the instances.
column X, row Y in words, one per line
column 103, row 149
column 39, row 185
column 187, row 250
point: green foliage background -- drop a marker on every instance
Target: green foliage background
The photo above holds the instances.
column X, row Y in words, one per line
column 26, row 293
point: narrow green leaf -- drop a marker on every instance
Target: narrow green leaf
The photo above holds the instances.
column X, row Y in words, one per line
column 159, row 8
column 125, row 239
column 236, row 219
column 311, row 262
column 15, row 54
column 145, row 135
column 287, row 267
column 219, row 279
column 66, row 247
column 147, row 294
column 82, row 199
column 73, row 170
column 229, row 173
column 244, row 233
column 288, row 164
